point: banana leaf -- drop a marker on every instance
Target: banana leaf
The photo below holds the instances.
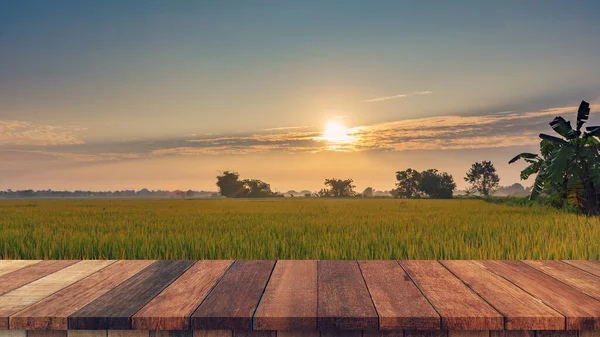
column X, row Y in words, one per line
column 552, row 139
column 524, row 155
column 583, row 113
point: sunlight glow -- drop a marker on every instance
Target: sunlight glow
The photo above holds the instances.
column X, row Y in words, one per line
column 336, row 132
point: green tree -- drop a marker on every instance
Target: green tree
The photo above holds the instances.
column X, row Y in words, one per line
column 437, row 185
column 230, row 185
column 408, row 184
column 338, row 188
column 568, row 167
column 256, row 188
column 483, row 178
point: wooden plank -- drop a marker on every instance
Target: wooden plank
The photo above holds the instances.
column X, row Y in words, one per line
column 399, row 303
column 87, row 333
column 21, row 298
column 47, row 333
column 128, row 333
column 425, row 333
column 250, row 333
column 570, row 275
column 589, row 333
column 52, row 313
column 459, row 307
column 554, row 333
column 13, row 333
column 114, row 309
column 290, row 299
column 592, row 267
column 171, row 309
column 467, row 333
column 233, row 301
column 213, row 333
column 20, row 277
column 521, row 310
column 582, row 311
column 341, row 333
column 512, row 333
column 171, row 333
column 380, row 333
column 299, row 333
column 344, row 302
column 8, row 266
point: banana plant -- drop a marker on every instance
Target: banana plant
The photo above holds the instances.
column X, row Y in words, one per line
column 568, row 167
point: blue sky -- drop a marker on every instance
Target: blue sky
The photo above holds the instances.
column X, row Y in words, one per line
column 183, row 89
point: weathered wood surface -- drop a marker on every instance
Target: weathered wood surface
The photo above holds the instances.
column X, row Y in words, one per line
column 232, row 302
column 290, row 299
column 302, row 298
column 52, row 312
column 521, row 311
column 171, row 309
column 459, row 306
column 114, row 309
column 344, row 302
column 399, row 303
column 582, row 312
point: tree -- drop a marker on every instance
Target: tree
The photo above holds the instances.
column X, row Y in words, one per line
column 189, row 193
column 338, row 188
column 230, row 185
column 483, row 177
column 568, row 168
column 437, row 185
column 408, row 184
column 368, row 192
column 256, row 188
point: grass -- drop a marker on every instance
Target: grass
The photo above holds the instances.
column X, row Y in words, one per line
column 291, row 229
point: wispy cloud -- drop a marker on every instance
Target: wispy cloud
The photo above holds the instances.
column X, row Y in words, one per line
column 386, row 98
column 497, row 130
column 27, row 133
column 287, row 128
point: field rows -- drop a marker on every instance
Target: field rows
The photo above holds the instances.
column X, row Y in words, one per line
column 291, row 229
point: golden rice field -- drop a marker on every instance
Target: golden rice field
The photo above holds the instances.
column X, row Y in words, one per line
column 291, row 229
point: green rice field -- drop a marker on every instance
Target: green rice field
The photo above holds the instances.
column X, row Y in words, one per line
column 294, row 228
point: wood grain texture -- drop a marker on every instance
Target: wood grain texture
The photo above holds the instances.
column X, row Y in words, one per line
column 29, row 294
column 48, row 333
column 213, row 333
column 554, row 333
column 171, row 333
column 399, row 303
column 425, row 333
column 575, row 277
column 128, row 333
column 467, row 333
column 300, row 333
column 521, row 311
column 233, row 301
column 581, row 310
column 512, row 333
column 459, row 306
column 592, row 267
column 52, row 313
column 172, row 308
column 87, row 333
column 344, row 302
column 380, row 333
column 341, row 333
column 114, row 309
column 290, row 299
column 20, row 277
column 8, row 266
column 589, row 333
column 250, row 333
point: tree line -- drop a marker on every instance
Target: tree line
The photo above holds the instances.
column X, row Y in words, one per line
column 431, row 183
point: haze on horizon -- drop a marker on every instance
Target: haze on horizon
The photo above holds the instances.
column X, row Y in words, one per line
column 138, row 94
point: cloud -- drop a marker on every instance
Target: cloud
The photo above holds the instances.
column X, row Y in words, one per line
column 385, row 98
column 27, row 133
column 497, row 130
column 287, row 128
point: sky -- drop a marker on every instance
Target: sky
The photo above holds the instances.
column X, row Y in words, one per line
column 130, row 94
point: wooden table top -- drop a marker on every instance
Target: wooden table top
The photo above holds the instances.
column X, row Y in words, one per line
column 299, row 295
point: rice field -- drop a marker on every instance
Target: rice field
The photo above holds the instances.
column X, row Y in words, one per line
column 291, row 229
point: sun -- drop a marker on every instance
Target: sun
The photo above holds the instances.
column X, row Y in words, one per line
column 336, row 132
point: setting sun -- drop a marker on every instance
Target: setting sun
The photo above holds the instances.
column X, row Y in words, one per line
column 336, row 132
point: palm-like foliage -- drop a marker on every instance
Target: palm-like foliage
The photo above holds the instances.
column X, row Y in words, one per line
column 568, row 167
